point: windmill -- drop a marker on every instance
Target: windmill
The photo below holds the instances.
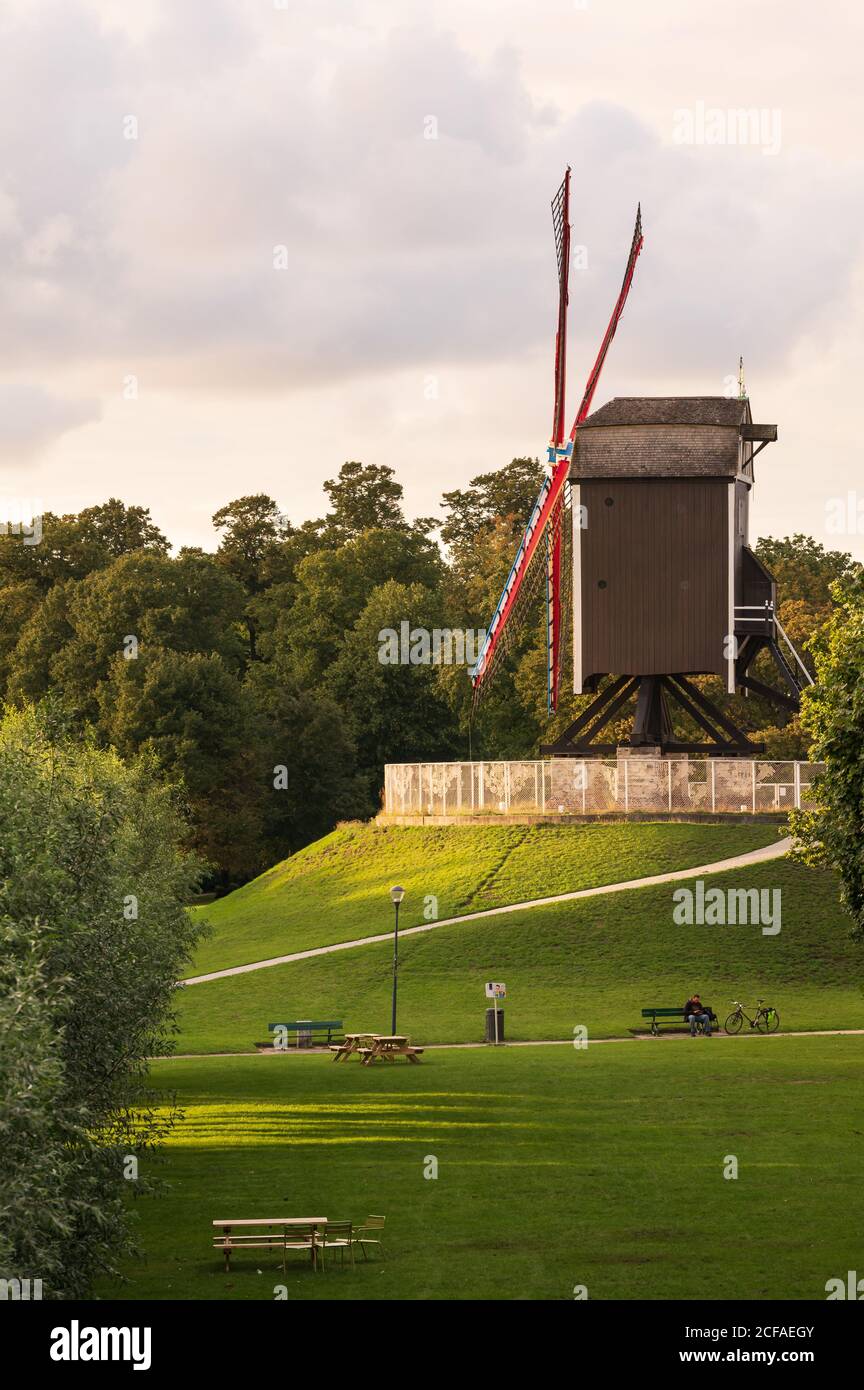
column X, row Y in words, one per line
column 544, row 532
column 664, row 585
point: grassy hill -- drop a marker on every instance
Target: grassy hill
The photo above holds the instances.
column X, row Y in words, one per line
column 595, row 962
column 336, row 889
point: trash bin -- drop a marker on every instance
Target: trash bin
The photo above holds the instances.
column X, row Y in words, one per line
column 304, row 1037
column 490, row 1025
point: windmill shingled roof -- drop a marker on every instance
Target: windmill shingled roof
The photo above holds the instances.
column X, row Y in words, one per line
column 670, row 410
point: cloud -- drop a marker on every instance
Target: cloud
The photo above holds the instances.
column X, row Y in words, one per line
column 156, row 254
column 31, row 419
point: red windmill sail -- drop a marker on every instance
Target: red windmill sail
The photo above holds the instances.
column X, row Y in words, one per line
column 544, row 523
column 591, row 385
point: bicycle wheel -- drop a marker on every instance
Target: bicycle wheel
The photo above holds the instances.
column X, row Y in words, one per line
column 733, row 1023
column 768, row 1021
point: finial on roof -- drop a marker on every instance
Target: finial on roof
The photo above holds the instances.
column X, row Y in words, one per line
column 742, row 389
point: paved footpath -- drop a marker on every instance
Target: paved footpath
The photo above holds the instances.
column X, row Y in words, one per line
column 739, row 861
column 540, row 1042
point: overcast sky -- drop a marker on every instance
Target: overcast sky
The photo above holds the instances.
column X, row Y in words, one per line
column 243, row 241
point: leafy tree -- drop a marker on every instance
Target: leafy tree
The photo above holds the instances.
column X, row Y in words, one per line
column 511, row 717
column 332, row 588
column 784, row 742
column 75, row 545
column 506, row 495
column 183, row 604
column 18, row 603
column 190, row 713
column 31, row 664
column 49, row 1163
column 399, row 711
column 309, row 736
column 252, row 530
column 832, row 712
column 364, row 497
column 804, row 569
column 179, row 694
column 94, row 935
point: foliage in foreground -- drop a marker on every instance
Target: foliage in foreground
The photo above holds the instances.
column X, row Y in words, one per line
column 832, row 834
column 93, row 935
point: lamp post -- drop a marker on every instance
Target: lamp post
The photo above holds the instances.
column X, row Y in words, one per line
column 396, row 896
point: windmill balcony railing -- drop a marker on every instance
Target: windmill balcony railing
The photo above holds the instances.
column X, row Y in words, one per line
column 559, row 787
column 754, row 620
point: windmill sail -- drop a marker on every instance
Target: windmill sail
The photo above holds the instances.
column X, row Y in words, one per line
column 591, row 385
column 546, row 522
column 561, row 227
column 559, row 531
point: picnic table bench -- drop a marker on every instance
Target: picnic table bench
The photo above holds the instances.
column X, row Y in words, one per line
column 388, row 1047
column 279, row 1233
column 351, row 1042
column 659, row 1017
column 308, row 1031
column 371, row 1046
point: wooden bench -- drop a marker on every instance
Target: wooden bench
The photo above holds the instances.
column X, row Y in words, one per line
column 387, row 1049
column 351, row 1042
column 661, row 1017
column 280, row 1234
column 309, row 1032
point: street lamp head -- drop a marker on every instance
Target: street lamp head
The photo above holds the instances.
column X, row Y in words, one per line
column 396, row 895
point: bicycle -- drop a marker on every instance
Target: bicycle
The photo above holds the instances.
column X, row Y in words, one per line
column 766, row 1020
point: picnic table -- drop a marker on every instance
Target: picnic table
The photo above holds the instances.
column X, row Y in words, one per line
column 389, row 1046
column 270, row 1233
column 351, row 1043
column 369, row 1047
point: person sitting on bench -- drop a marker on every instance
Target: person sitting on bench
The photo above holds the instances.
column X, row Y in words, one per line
column 695, row 1012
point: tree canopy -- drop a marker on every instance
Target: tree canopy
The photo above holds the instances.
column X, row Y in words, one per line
column 225, row 666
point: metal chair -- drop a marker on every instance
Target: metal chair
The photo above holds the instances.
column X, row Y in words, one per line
column 362, row 1237
column 337, row 1235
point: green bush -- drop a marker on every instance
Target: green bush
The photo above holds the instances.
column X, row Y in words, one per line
column 93, row 935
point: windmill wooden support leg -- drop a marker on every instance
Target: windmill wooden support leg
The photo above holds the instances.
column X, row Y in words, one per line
column 750, row 649
column 693, row 701
column 578, row 738
column 652, row 723
column 652, row 727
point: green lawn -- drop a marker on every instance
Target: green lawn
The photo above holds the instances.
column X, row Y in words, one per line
column 556, row 1167
column 595, row 962
column 336, row 889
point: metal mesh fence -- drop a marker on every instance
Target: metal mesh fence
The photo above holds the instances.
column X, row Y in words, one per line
column 570, row 786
